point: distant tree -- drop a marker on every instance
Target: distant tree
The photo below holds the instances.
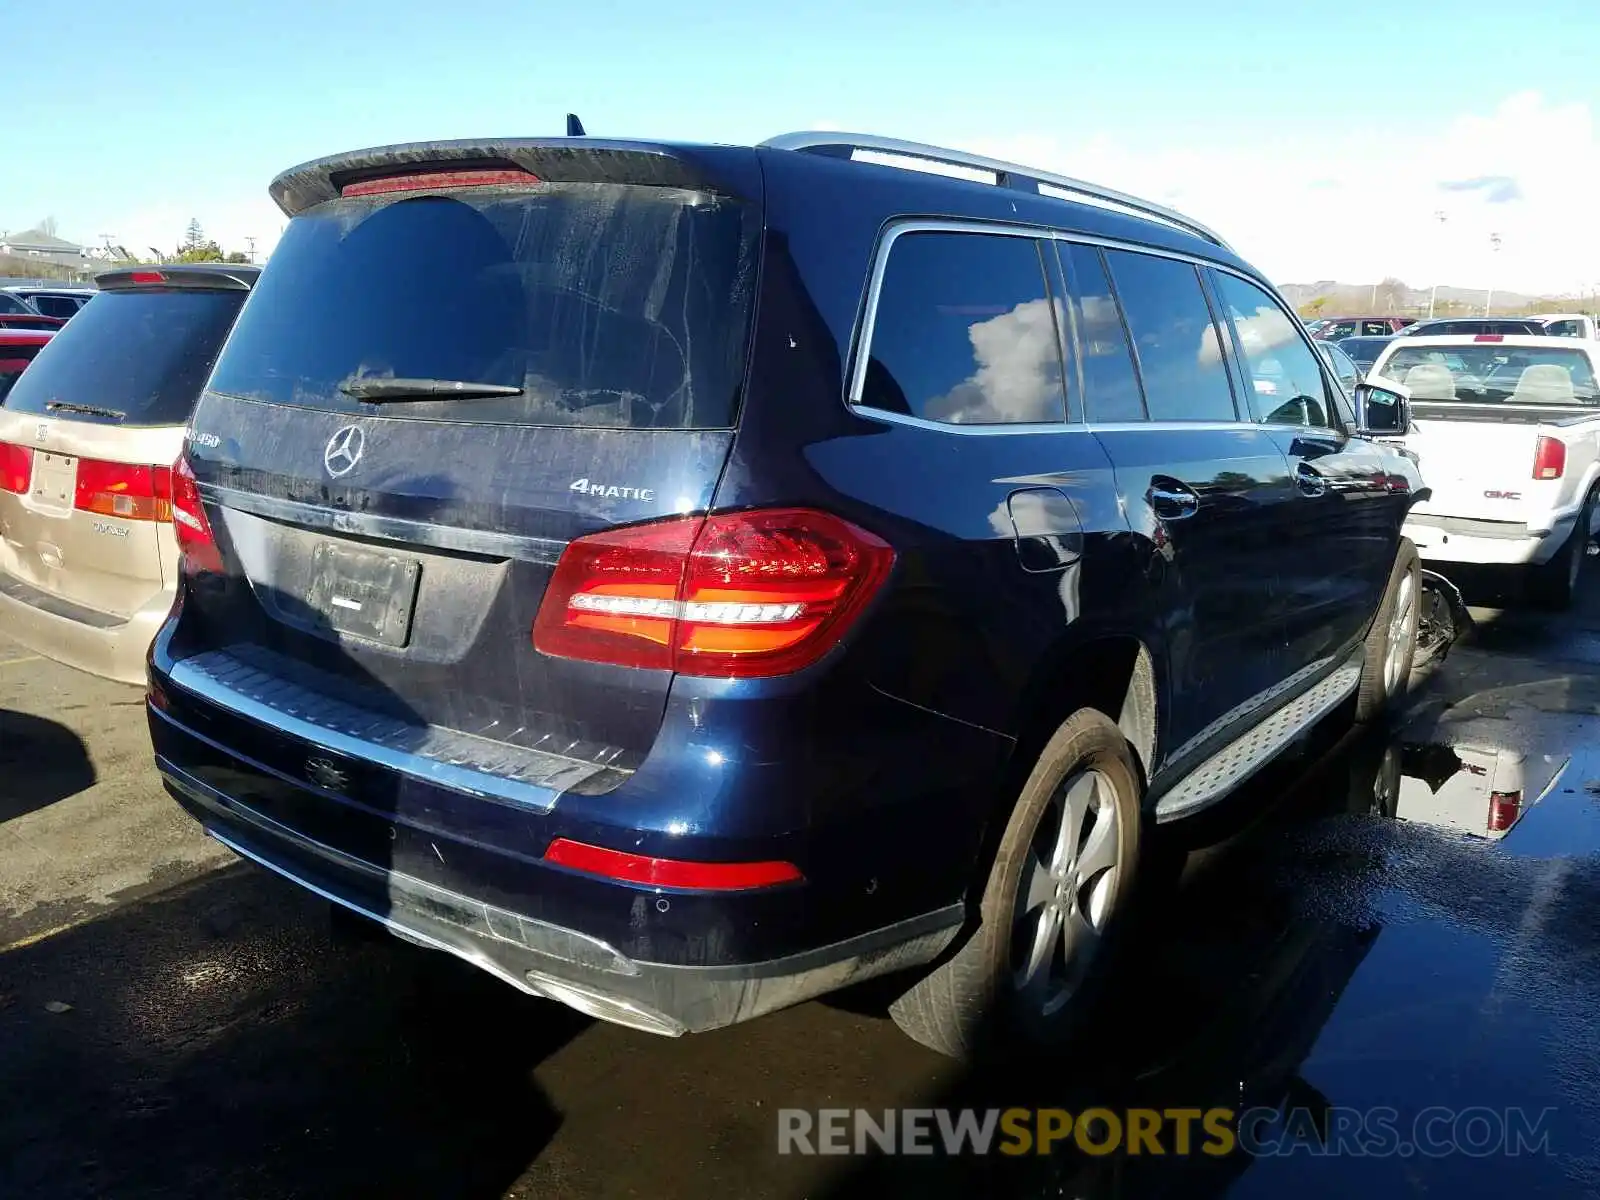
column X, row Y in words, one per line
column 1392, row 294
column 193, row 236
column 237, row 256
column 48, row 227
column 205, row 251
column 1313, row 308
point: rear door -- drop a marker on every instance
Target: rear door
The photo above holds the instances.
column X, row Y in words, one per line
column 91, row 430
column 392, row 547
column 1206, row 486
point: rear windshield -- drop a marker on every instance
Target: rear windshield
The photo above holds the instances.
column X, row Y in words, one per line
column 141, row 355
column 1491, row 374
column 12, row 360
column 608, row 305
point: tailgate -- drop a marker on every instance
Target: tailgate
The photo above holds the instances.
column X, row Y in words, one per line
column 83, row 511
column 1478, row 466
column 388, row 548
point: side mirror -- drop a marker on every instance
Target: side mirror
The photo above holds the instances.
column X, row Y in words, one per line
column 1383, row 408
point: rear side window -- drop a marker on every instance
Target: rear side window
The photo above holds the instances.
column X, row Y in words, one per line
column 607, row 305
column 1284, row 373
column 965, row 332
column 1110, row 384
column 1176, row 343
column 1564, row 328
column 1374, row 328
column 13, row 360
column 56, row 306
column 13, row 305
column 142, row 354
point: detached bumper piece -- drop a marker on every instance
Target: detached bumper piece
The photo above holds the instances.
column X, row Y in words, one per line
column 552, row 962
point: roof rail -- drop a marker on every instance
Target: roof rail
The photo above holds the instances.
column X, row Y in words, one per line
column 1005, row 173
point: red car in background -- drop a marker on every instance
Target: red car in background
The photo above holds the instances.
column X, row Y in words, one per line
column 17, row 348
column 15, row 314
column 1335, row 328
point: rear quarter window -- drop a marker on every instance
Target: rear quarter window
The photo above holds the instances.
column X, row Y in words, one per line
column 142, row 353
column 965, row 332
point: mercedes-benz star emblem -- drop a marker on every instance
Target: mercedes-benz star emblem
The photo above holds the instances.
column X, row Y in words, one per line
column 343, row 451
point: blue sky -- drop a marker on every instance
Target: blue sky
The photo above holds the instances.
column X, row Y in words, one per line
column 1249, row 117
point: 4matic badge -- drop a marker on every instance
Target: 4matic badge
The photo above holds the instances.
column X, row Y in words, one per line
column 610, row 491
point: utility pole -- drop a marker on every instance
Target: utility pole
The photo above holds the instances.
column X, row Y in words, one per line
column 1433, row 296
column 251, row 242
column 1494, row 269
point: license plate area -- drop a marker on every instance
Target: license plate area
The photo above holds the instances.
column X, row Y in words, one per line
column 54, row 484
column 363, row 594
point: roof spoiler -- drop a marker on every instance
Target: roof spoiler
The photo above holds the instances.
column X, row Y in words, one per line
column 553, row 160
column 234, row 277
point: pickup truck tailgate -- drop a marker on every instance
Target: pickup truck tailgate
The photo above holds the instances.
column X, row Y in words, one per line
column 1477, row 468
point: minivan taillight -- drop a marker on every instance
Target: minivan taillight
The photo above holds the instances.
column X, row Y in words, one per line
column 195, row 541
column 132, row 492
column 16, row 468
column 1549, row 458
column 735, row 595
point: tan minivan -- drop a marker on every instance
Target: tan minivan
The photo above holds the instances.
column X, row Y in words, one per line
column 88, row 435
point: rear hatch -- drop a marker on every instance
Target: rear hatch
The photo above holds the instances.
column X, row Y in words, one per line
column 1479, row 409
column 89, row 432
column 442, row 379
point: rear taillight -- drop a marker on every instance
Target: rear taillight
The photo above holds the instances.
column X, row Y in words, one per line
column 440, row 181
column 16, row 468
column 1549, row 458
column 195, row 541
column 737, row 595
column 134, row 493
column 1504, row 809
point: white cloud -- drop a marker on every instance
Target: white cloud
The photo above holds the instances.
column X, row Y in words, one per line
column 1019, row 371
column 1358, row 206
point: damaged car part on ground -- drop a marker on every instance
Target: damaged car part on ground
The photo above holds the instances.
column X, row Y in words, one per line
column 592, row 616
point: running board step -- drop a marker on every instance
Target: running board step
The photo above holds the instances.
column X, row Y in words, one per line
column 1225, row 770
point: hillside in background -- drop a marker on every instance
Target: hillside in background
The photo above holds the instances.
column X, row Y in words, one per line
column 1332, row 298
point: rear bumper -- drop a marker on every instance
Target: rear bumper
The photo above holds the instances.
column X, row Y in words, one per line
column 547, row 959
column 81, row 637
column 1504, row 543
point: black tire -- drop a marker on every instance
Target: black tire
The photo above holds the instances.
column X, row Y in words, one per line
column 1381, row 685
column 972, row 1004
column 1554, row 584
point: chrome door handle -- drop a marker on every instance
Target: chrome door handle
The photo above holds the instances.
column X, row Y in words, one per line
column 1310, row 482
column 1172, row 501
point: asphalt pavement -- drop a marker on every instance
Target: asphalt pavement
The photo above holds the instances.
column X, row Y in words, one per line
column 1401, row 921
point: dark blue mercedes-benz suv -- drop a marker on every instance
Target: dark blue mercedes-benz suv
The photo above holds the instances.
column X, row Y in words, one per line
column 684, row 580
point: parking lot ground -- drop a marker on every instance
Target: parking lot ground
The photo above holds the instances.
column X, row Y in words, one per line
column 177, row 1024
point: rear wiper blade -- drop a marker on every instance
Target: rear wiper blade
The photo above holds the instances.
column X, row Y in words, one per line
column 381, row 391
column 92, row 410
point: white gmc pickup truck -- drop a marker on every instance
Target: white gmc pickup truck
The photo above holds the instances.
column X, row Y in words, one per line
column 1506, row 430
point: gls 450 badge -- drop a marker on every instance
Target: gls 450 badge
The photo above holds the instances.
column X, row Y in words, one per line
column 611, row 491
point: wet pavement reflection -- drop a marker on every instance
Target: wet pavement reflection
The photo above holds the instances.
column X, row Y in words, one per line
column 1402, row 920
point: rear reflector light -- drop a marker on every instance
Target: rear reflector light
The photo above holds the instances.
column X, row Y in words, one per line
column 134, row 493
column 195, row 541
column 437, row 181
column 148, row 277
column 16, row 468
column 1490, row 337
column 668, row 872
column 737, row 595
column 1549, row 458
column 1504, row 809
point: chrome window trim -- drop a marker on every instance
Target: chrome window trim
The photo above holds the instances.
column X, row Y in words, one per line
column 386, row 529
column 861, row 351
